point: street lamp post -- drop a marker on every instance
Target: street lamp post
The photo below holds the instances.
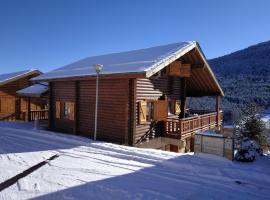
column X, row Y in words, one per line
column 98, row 68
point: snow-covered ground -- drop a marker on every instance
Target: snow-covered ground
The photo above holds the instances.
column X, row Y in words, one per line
column 97, row 170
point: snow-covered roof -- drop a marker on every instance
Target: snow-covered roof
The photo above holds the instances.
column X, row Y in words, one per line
column 139, row 63
column 9, row 77
column 147, row 61
column 35, row 90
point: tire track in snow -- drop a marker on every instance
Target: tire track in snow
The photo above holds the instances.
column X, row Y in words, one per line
column 14, row 179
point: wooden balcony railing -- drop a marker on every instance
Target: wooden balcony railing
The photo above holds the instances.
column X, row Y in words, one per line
column 38, row 114
column 179, row 128
column 8, row 117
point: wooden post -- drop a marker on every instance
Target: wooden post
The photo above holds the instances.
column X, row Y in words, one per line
column 183, row 98
column 50, row 110
column 130, row 136
column 217, row 109
column 18, row 108
column 28, row 109
column 76, row 124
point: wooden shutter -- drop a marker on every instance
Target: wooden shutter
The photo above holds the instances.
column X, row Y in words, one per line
column 177, row 107
column 142, row 111
column 7, row 105
column 71, row 110
column 11, row 105
column 174, row 68
column 23, row 104
column 57, row 109
column 3, row 105
column 160, row 110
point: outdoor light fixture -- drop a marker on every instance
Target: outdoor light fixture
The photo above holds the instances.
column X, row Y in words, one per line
column 98, row 68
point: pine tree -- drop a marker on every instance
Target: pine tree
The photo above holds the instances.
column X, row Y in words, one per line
column 252, row 126
column 250, row 135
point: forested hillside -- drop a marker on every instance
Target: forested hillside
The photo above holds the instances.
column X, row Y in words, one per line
column 245, row 78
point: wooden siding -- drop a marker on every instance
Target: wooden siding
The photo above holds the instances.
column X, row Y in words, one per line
column 11, row 103
column 153, row 89
column 112, row 113
column 200, row 82
column 132, row 110
column 63, row 92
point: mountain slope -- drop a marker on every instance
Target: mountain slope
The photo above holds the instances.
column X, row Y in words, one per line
column 254, row 60
column 244, row 77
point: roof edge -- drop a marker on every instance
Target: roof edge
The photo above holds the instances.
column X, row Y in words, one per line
column 208, row 67
column 168, row 60
column 28, row 73
column 171, row 58
column 87, row 77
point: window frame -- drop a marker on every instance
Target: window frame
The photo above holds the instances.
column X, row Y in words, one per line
column 68, row 108
column 150, row 111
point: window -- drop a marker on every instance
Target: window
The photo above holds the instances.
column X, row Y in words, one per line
column 171, row 106
column 152, row 110
column 146, row 111
column 174, row 107
column 177, row 107
column 68, row 112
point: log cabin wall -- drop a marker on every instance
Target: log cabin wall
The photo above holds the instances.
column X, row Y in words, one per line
column 62, row 92
column 12, row 104
column 153, row 89
column 112, row 114
column 36, row 103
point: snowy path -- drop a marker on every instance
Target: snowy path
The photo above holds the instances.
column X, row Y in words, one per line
column 95, row 170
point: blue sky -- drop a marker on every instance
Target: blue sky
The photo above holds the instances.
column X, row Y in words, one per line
column 47, row 34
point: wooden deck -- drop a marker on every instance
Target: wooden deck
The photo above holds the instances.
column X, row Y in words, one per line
column 182, row 128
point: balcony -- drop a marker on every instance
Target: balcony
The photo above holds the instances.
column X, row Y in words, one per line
column 199, row 121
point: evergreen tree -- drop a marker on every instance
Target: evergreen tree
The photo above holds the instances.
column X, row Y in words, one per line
column 252, row 126
column 250, row 135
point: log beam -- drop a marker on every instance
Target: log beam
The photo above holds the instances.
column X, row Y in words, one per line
column 183, row 97
column 76, row 110
column 50, row 116
column 28, row 109
column 218, row 109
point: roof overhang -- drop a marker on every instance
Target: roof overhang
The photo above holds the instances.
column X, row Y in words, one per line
column 36, row 90
column 178, row 54
column 20, row 76
column 93, row 77
column 168, row 60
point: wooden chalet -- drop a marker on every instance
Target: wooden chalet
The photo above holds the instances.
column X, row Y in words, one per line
column 36, row 93
column 142, row 97
column 12, row 105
